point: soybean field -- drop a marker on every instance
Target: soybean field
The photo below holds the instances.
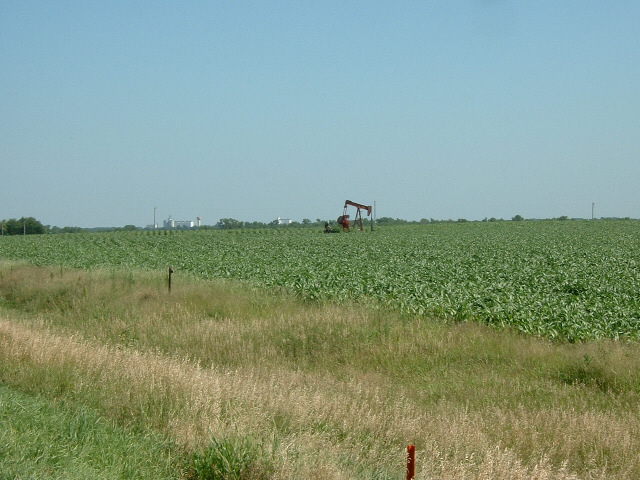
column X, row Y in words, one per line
column 567, row 280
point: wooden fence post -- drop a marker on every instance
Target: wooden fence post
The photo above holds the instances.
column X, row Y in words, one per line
column 170, row 272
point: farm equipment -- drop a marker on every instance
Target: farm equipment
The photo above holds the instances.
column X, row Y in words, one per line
column 344, row 218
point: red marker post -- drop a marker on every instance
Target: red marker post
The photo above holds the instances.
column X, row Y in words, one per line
column 411, row 462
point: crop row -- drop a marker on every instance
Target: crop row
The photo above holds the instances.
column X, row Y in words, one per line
column 570, row 280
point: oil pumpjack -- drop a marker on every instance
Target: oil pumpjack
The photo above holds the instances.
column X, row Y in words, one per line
column 344, row 218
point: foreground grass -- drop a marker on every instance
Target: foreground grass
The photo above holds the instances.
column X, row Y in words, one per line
column 44, row 439
column 263, row 386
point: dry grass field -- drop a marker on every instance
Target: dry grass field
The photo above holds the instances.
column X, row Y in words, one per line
column 247, row 384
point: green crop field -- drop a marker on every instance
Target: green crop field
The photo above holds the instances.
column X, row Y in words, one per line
column 567, row 280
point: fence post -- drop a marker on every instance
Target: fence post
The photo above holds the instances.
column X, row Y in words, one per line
column 411, row 462
column 170, row 272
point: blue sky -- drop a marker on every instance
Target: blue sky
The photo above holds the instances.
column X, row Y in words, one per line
column 258, row 110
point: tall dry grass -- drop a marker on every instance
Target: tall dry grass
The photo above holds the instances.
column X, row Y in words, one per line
column 326, row 392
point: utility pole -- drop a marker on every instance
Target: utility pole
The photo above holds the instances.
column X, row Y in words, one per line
column 373, row 219
column 593, row 206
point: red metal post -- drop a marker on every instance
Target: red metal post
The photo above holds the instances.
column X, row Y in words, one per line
column 411, row 462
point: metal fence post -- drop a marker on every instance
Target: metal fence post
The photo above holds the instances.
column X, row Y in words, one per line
column 411, row 462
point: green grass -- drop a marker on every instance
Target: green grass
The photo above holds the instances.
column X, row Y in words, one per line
column 44, row 439
column 231, row 458
column 256, row 384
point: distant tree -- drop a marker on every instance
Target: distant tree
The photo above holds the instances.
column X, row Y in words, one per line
column 228, row 223
column 306, row 222
column 25, row 225
column 517, row 218
column 12, row 227
column 35, row 227
column 391, row 221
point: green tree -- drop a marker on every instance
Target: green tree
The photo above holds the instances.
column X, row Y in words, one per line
column 25, row 225
column 228, row 223
column 129, row 228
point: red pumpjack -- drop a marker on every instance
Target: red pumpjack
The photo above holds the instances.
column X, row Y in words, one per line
column 344, row 218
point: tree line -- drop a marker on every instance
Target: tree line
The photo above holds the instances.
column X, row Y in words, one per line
column 22, row 226
column 31, row 226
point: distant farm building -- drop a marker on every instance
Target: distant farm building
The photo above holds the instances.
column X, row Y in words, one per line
column 284, row 221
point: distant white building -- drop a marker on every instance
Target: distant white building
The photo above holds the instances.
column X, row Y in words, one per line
column 184, row 223
column 284, row 221
column 171, row 223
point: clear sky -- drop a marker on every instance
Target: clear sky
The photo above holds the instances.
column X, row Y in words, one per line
column 258, row 110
